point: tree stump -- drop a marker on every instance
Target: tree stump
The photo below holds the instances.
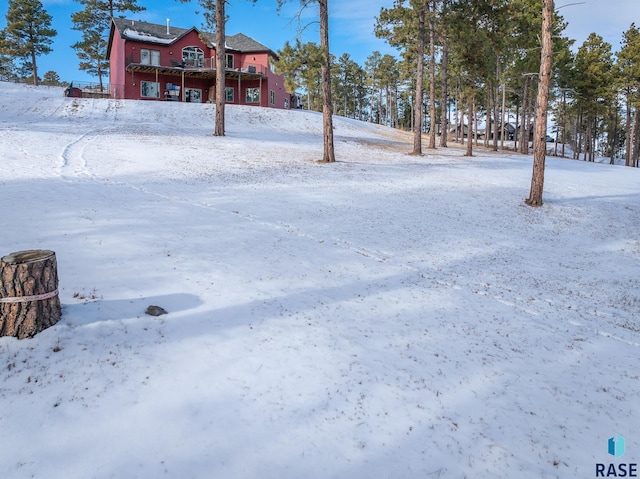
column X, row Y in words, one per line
column 29, row 301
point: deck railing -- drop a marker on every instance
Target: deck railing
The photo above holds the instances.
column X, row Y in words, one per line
column 207, row 64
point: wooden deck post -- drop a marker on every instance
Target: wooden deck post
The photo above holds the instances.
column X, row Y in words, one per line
column 29, row 301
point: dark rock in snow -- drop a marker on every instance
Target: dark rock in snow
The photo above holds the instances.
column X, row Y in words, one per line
column 155, row 311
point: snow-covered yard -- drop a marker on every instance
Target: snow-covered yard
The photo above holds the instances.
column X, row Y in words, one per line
column 388, row 316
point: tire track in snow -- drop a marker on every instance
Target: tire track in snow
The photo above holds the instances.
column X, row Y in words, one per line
column 73, row 164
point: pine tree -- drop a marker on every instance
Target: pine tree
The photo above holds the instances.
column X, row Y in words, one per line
column 51, row 78
column 327, row 104
column 7, row 68
column 594, row 85
column 629, row 68
column 28, row 33
column 216, row 19
column 348, row 87
column 94, row 21
column 540, row 133
column 405, row 27
column 374, row 83
column 301, row 64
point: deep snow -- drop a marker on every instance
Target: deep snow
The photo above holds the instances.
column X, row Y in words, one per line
column 387, row 316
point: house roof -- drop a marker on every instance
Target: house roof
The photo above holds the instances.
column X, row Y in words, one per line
column 155, row 33
column 245, row 44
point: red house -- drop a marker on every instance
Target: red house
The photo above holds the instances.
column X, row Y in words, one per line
column 162, row 62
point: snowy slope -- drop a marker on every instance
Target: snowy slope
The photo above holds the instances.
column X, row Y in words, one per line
column 384, row 317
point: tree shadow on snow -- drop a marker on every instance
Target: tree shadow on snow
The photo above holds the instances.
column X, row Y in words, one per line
column 99, row 310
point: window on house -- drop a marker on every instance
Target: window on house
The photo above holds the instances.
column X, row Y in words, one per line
column 193, row 57
column 193, row 95
column 253, row 95
column 228, row 94
column 286, row 103
column 272, row 97
column 149, row 57
column 229, row 61
column 149, row 89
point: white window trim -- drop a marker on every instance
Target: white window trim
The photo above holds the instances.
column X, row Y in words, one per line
column 247, row 95
column 193, row 54
column 227, row 90
column 157, row 89
column 188, row 90
column 153, row 57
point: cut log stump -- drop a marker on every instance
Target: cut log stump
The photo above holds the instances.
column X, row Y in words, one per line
column 29, row 301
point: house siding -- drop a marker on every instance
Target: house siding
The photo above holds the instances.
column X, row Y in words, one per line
column 250, row 70
column 117, row 67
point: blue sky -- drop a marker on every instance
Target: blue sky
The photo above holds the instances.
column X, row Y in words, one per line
column 351, row 25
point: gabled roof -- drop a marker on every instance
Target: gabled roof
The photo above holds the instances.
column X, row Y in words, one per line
column 149, row 32
column 155, row 33
column 245, row 44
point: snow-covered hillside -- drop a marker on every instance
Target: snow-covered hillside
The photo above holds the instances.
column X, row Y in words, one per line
column 387, row 316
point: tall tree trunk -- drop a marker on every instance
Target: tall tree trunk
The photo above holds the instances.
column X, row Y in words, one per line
column 459, row 123
column 587, row 139
column 524, row 133
column 444, row 102
column 502, row 128
column 516, row 133
column 34, row 67
column 496, row 126
column 220, row 67
column 432, row 77
column 540, row 134
column 470, row 128
column 594, row 138
column 612, row 137
column 475, row 124
column 327, row 119
column 635, row 150
column 564, row 120
column 417, row 127
column 578, row 139
column 488, row 119
column 627, row 142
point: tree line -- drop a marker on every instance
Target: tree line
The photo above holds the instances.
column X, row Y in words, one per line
column 29, row 34
column 482, row 58
column 457, row 60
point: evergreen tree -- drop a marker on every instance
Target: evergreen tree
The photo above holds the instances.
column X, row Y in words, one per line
column 594, row 86
column 28, row 33
column 327, row 105
column 444, row 77
column 216, row 19
column 94, row 21
column 374, row 84
column 349, row 87
column 301, row 66
column 629, row 68
column 7, row 69
column 540, row 133
column 401, row 26
column 51, row 78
